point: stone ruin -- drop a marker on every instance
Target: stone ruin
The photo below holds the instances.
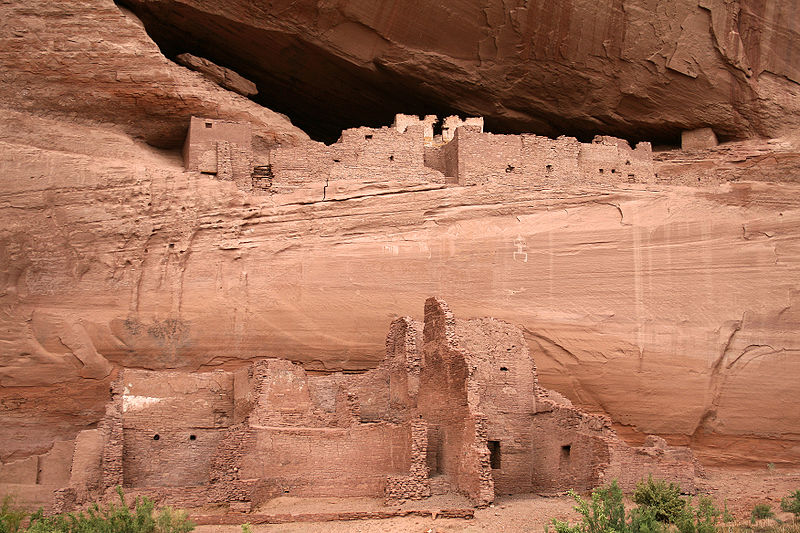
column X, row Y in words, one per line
column 220, row 148
column 463, row 154
column 455, row 406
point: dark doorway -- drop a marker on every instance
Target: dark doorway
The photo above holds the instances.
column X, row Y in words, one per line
column 494, row 454
column 565, row 451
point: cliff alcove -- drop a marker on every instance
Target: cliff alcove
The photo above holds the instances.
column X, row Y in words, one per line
column 580, row 69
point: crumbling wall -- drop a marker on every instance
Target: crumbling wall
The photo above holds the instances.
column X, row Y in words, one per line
column 452, row 123
column 402, row 122
column 361, row 154
column 628, row 465
column 352, row 461
column 366, row 154
column 608, row 159
column 300, row 166
column 504, row 376
column 531, row 160
column 415, row 484
column 570, row 449
column 277, row 392
column 448, row 404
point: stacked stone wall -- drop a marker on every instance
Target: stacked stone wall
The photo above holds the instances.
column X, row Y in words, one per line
column 460, row 451
column 352, row 461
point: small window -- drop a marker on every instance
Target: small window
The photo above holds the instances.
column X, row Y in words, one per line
column 156, row 436
column 337, row 160
column 504, row 368
column 601, row 171
column 494, row 454
column 565, row 451
column 192, row 437
column 368, row 136
column 549, row 168
column 208, row 124
column 613, row 170
column 391, row 158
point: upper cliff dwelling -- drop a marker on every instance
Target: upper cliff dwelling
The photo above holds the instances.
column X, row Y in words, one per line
column 462, row 154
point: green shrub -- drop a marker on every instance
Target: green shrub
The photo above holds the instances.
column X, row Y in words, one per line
column 662, row 497
column 727, row 517
column 660, row 510
column 761, row 511
column 791, row 503
column 112, row 518
column 643, row 520
column 604, row 512
column 701, row 519
column 246, row 528
column 11, row 518
column 170, row 520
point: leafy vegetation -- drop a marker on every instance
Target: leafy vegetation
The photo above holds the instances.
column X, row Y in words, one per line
column 791, row 503
column 761, row 511
column 10, row 518
column 112, row 518
column 663, row 498
column 660, row 509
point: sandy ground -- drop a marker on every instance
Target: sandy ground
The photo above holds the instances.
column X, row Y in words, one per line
column 741, row 489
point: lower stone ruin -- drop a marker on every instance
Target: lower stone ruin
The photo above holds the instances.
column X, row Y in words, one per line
column 455, row 406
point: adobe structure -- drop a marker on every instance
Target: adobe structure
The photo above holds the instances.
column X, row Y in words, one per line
column 455, row 406
column 220, row 148
column 463, row 154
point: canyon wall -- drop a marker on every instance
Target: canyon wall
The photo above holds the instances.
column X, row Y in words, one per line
column 638, row 69
column 673, row 309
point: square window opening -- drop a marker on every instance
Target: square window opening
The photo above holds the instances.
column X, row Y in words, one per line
column 565, row 452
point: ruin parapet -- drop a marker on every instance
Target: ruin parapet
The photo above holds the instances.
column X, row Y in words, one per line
column 410, row 152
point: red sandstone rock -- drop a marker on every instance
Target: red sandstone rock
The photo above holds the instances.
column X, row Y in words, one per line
column 671, row 309
column 89, row 60
column 632, row 69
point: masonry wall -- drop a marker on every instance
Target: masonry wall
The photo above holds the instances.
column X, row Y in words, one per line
column 222, row 148
column 277, row 392
column 361, row 154
column 341, row 462
column 531, row 160
column 608, row 159
column 629, row 465
column 504, row 377
column 569, row 449
column 172, row 423
column 457, row 432
column 174, row 460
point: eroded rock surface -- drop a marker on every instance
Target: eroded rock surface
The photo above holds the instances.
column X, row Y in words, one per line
column 670, row 308
column 669, row 305
column 89, row 61
column 631, row 68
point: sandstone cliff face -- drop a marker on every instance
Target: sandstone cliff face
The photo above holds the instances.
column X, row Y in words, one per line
column 673, row 309
column 633, row 68
column 90, row 61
